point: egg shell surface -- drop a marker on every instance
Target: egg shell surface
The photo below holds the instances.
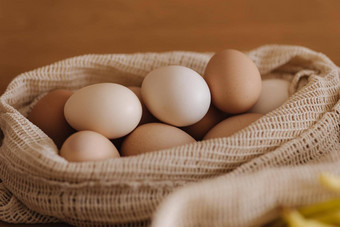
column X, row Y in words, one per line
column 274, row 93
column 234, row 81
column 200, row 128
column 110, row 109
column 231, row 125
column 48, row 115
column 176, row 95
column 87, row 146
column 153, row 136
column 147, row 117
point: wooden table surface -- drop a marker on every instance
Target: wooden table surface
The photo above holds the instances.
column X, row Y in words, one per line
column 39, row 32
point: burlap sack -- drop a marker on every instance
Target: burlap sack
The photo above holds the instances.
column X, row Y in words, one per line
column 249, row 175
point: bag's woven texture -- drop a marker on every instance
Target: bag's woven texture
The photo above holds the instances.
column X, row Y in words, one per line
column 270, row 163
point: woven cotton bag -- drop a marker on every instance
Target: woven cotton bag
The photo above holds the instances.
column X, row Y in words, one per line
column 294, row 141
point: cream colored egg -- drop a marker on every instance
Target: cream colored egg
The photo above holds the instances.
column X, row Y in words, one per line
column 86, row 146
column 153, row 136
column 274, row 93
column 234, row 81
column 176, row 95
column 110, row 109
column 231, row 125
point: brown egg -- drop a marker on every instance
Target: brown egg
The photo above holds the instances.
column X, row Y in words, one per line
column 234, row 81
column 147, row 117
column 153, row 136
column 48, row 115
column 231, row 125
column 199, row 129
column 86, row 146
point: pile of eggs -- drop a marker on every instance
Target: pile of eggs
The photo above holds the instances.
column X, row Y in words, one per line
column 174, row 106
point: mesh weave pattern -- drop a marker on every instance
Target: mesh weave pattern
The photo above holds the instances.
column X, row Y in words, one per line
column 38, row 186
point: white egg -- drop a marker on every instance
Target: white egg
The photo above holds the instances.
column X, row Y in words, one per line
column 274, row 93
column 110, row 109
column 176, row 95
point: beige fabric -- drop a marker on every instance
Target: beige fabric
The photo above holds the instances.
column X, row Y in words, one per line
column 241, row 180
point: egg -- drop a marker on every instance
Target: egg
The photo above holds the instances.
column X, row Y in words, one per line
column 87, row 146
column 231, row 125
column 199, row 129
column 110, row 109
column 176, row 95
column 147, row 117
column 234, row 81
column 153, row 136
column 274, row 93
column 48, row 115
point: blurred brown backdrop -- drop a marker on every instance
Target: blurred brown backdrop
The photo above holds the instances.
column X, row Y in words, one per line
column 35, row 33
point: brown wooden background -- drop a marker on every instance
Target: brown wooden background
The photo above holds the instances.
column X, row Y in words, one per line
column 35, row 33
